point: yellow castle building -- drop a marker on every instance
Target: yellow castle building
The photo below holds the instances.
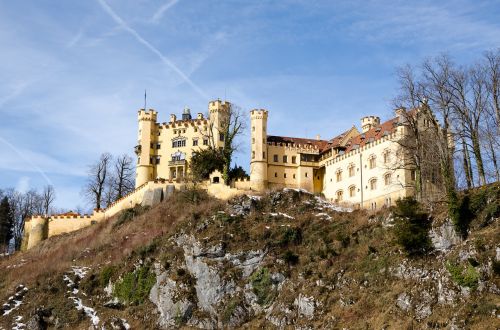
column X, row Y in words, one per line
column 361, row 169
column 358, row 168
column 164, row 149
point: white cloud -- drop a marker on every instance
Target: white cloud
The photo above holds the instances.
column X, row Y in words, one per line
column 158, row 15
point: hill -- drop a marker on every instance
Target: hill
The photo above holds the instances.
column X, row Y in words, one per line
column 286, row 259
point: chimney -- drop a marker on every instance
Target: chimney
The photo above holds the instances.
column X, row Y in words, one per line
column 173, row 118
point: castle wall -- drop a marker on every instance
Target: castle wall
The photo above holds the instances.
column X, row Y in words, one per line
column 383, row 193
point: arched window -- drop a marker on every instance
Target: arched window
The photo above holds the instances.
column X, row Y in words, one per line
column 372, row 161
column 352, row 191
column 387, row 179
column 340, row 195
column 351, row 170
column 339, row 175
column 387, row 156
column 373, row 184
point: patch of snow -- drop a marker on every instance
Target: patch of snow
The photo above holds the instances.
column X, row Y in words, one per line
column 255, row 198
column 325, row 216
column 90, row 312
column 125, row 324
column 284, row 215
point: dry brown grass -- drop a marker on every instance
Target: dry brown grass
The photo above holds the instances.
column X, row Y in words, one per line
column 103, row 243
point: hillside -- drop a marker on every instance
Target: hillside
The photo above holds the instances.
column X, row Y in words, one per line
column 283, row 260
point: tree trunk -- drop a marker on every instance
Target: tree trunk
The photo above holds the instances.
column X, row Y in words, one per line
column 476, row 149
column 466, row 164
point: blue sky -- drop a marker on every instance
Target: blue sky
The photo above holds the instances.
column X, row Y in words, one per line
column 73, row 73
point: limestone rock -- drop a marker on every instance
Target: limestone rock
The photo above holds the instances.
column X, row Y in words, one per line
column 444, row 237
column 305, row 306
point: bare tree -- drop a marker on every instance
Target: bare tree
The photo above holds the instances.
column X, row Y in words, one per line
column 493, row 81
column 123, row 176
column 48, row 197
column 468, row 87
column 96, row 182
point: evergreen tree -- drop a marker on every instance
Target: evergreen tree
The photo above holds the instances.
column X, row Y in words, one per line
column 6, row 224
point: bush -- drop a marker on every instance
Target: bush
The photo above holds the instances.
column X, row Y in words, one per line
column 129, row 214
column 467, row 277
column 290, row 258
column 193, row 196
column 290, row 235
column 412, row 227
column 105, row 275
column 135, row 286
column 262, row 286
column 496, row 267
column 204, row 162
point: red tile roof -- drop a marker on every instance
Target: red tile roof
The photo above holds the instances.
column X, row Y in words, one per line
column 372, row 135
column 322, row 145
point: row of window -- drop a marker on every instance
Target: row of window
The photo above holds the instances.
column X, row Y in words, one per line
column 372, row 185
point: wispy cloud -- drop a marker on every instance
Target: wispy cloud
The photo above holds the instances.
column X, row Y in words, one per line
column 23, row 157
column 153, row 49
column 158, row 15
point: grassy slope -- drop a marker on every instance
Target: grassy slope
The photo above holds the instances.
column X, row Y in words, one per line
column 352, row 258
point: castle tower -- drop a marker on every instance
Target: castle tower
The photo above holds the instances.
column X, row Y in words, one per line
column 144, row 151
column 39, row 231
column 369, row 122
column 258, row 162
column 218, row 114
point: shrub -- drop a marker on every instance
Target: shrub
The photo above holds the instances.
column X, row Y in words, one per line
column 467, row 277
column 262, row 286
column 496, row 267
column 204, row 162
column 412, row 227
column 290, row 235
column 290, row 258
column 193, row 196
column 129, row 214
column 135, row 286
column 105, row 275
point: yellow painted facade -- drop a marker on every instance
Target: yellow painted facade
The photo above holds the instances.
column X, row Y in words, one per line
column 354, row 168
column 164, row 149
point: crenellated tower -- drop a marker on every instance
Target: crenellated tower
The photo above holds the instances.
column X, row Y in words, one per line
column 144, row 149
column 218, row 114
column 258, row 162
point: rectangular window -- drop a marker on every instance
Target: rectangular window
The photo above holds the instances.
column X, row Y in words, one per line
column 285, row 159
column 253, row 128
column 284, row 175
column 294, row 176
column 205, row 142
column 158, row 146
column 275, row 174
column 157, row 160
column 253, row 154
column 264, row 154
column 275, row 158
column 221, row 136
column 195, row 143
column 294, row 159
column 151, row 145
column 253, row 140
column 151, row 160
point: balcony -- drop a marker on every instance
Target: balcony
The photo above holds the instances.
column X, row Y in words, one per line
column 137, row 149
column 181, row 162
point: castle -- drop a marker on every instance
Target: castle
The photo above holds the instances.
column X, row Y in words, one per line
column 354, row 168
column 358, row 169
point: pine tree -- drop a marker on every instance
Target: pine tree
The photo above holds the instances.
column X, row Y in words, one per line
column 6, row 224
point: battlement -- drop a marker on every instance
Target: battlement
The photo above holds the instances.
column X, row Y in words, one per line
column 184, row 123
column 149, row 115
column 357, row 151
column 299, row 148
column 259, row 114
column 218, row 105
column 369, row 122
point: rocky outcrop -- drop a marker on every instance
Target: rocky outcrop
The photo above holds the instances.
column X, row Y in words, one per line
column 444, row 237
